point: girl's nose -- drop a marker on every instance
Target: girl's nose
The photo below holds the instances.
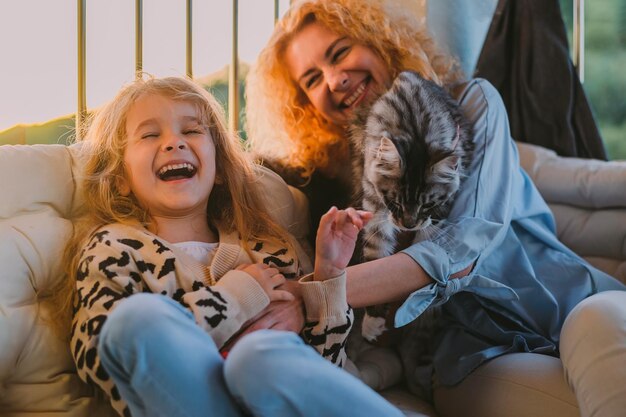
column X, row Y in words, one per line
column 180, row 146
column 174, row 142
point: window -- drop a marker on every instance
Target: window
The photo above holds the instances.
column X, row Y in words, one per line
column 605, row 60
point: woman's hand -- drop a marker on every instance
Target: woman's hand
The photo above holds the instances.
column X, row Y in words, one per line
column 336, row 238
column 269, row 279
column 278, row 315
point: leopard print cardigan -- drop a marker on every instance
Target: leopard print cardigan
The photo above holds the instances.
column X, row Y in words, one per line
column 121, row 260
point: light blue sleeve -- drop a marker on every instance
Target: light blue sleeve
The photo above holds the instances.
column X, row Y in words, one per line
column 481, row 214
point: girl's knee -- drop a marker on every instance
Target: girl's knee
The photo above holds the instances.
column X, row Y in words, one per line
column 263, row 340
column 260, row 348
column 259, row 355
column 134, row 317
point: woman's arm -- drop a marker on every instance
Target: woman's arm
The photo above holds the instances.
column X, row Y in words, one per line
column 384, row 280
column 388, row 279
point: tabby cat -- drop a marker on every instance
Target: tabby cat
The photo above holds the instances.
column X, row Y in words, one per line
column 410, row 151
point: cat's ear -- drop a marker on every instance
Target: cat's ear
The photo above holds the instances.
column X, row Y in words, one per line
column 446, row 167
column 387, row 151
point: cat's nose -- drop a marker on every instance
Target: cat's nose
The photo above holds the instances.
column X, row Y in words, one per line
column 409, row 221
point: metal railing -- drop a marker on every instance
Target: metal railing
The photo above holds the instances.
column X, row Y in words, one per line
column 81, row 112
column 233, row 85
column 233, row 74
column 138, row 38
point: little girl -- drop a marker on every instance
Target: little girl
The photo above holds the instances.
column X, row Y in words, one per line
column 176, row 251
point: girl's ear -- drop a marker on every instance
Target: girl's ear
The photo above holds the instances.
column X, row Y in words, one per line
column 123, row 186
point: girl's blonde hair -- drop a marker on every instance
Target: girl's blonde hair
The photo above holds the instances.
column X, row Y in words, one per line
column 281, row 122
column 235, row 203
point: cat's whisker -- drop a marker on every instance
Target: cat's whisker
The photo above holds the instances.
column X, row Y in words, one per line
column 377, row 231
column 435, row 231
column 442, row 235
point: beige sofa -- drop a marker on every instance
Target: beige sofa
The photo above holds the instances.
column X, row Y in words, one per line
column 39, row 190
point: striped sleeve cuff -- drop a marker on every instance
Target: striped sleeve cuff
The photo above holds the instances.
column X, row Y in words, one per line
column 324, row 299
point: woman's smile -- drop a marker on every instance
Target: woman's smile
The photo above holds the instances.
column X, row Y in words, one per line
column 334, row 72
column 356, row 96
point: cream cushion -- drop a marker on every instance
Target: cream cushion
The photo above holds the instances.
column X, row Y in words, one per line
column 588, row 199
column 37, row 196
column 40, row 189
column 39, row 193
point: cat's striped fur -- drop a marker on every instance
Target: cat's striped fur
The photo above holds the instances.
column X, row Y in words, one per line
column 410, row 151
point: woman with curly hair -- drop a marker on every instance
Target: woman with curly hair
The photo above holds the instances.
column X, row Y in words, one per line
column 504, row 282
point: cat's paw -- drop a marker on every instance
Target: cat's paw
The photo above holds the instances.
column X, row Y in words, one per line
column 372, row 327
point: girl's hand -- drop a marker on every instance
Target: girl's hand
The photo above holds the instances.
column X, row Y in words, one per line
column 269, row 279
column 278, row 315
column 336, row 238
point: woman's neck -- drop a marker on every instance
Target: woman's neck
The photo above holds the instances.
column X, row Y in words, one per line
column 183, row 229
column 338, row 166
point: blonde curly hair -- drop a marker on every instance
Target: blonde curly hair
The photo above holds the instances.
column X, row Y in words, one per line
column 282, row 124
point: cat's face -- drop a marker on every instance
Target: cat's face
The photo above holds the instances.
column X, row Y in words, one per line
column 414, row 198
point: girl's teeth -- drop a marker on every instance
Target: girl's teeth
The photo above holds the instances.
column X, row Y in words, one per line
column 175, row 166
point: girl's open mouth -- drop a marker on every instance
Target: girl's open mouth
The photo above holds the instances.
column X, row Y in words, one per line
column 174, row 172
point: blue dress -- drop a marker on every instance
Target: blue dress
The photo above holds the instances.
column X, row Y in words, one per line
column 524, row 283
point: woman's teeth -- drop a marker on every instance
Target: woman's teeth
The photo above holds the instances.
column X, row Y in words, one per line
column 354, row 96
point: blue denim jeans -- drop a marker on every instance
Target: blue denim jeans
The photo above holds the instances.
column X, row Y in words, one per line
column 163, row 364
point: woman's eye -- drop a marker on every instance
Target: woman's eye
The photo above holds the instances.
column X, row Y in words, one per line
column 340, row 53
column 311, row 81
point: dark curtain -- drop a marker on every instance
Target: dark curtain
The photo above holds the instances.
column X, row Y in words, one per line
column 526, row 57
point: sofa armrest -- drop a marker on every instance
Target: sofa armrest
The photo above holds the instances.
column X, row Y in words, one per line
column 588, row 183
column 599, row 233
column 39, row 177
column 588, row 200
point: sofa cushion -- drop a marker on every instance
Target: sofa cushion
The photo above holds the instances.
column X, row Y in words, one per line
column 592, row 232
column 37, row 374
column 588, row 183
column 587, row 198
column 36, row 177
